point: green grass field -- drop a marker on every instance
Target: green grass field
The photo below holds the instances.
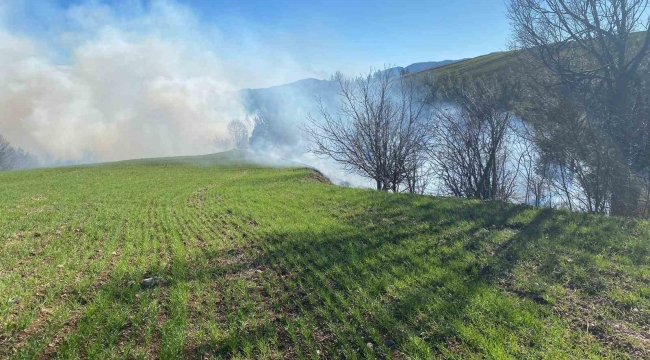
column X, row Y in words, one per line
column 271, row 263
column 491, row 64
column 496, row 64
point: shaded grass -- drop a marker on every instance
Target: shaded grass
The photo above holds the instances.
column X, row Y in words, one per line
column 269, row 263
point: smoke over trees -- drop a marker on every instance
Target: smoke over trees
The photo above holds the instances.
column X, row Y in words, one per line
column 473, row 147
column 590, row 110
column 570, row 129
column 378, row 131
column 238, row 132
column 12, row 158
column 238, row 135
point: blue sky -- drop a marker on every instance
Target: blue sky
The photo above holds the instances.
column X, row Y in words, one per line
column 107, row 80
column 322, row 36
column 394, row 31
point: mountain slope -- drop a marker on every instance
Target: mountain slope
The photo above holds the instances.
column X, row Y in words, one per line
column 246, row 261
column 421, row 66
column 286, row 107
column 493, row 63
column 496, row 63
column 429, row 65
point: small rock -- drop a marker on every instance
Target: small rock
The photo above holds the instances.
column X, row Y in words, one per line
column 389, row 343
column 635, row 310
column 369, row 345
column 258, row 271
column 151, row 282
column 60, row 266
column 14, row 300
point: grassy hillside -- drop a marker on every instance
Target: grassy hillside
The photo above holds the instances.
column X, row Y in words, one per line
column 481, row 65
column 271, row 263
column 489, row 64
column 497, row 63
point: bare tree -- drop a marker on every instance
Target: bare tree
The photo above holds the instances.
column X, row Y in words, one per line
column 473, row 154
column 222, row 143
column 378, row 131
column 15, row 158
column 593, row 54
column 6, row 154
column 24, row 160
column 580, row 169
column 238, row 132
column 535, row 172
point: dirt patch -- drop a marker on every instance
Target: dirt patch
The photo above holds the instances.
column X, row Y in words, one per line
column 613, row 325
column 39, row 209
column 198, row 196
column 627, row 330
column 318, row 176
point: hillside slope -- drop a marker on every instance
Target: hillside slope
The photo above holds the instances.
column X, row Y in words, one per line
column 253, row 262
column 495, row 63
column 286, row 107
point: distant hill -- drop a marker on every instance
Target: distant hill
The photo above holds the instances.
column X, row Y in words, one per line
column 429, row 65
column 480, row 65
column 493, row 63
column 287, row 106
column 284, row 108
column 421, row 66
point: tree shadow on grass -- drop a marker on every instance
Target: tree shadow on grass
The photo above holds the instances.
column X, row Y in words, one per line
column 404, row 276
column 400, row 270
column 413, row 274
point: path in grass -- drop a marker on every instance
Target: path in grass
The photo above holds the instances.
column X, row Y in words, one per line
column 269, row 263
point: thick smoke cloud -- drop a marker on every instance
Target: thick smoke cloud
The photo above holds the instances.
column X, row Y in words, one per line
column 106, row 86
column 99, row 83
column 285, row 110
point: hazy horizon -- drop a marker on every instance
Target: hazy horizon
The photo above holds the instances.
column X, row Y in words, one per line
column 93, row 81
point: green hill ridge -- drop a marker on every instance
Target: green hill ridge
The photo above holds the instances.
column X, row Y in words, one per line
column 248, row 261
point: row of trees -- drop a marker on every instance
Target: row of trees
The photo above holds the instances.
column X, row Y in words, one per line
column 588, row 98
column 15, row 158
column 570, row 127
column 412, row 136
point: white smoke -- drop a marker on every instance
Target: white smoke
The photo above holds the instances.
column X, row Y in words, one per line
column 137, row 79
column 109, row 87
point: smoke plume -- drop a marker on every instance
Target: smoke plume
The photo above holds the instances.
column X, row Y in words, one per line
column 106, row 86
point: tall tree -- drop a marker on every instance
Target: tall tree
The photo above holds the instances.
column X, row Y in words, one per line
column 473, row 149
column 238, row 132
column 6, row 154
column 594, row 52
column 15, row 158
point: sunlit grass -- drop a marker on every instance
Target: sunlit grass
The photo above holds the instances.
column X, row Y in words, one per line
column 268, row 263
